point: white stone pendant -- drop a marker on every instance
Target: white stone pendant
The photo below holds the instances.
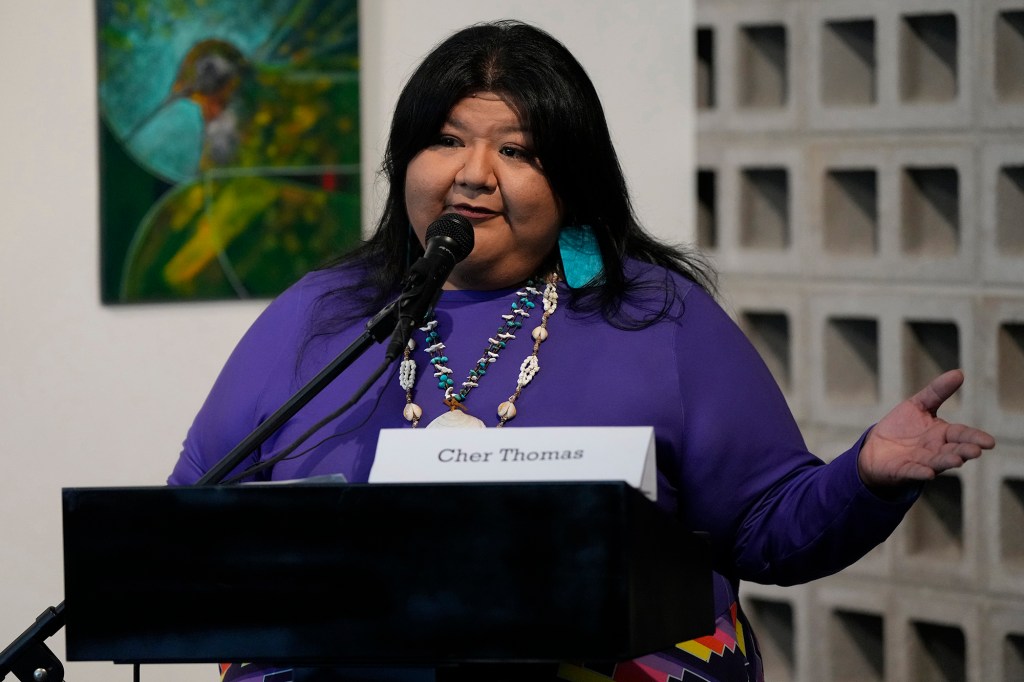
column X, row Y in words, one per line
column 456, row 419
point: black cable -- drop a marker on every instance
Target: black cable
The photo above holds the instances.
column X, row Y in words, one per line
column 259, row 465
column 283, row 454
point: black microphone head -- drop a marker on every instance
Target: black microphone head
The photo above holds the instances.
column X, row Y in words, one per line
column 457, row 231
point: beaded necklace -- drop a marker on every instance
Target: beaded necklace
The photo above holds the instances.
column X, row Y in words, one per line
column 512, row 322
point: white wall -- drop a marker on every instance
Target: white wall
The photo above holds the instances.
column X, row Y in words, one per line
column 98, row 396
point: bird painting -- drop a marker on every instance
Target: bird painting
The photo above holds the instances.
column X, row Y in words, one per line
column 229, row 144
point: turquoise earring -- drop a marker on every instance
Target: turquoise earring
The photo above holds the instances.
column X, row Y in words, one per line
column 581, row 256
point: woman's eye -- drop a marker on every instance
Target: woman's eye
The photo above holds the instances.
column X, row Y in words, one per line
column 447, row 141
column 516, row 153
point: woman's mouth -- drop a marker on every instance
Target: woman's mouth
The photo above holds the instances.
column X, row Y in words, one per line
column 473, row 212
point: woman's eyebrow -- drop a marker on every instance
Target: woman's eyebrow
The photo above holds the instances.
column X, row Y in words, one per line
column 516, row 128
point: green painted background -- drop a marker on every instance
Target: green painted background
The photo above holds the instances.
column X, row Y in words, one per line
column 229, row 144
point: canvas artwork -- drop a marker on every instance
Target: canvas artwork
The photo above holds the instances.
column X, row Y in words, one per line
column 229, row 144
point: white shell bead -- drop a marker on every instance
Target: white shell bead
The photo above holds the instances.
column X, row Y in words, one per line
column 507, row 410
column 540, row 334
column 412, row 412
column 456, row 419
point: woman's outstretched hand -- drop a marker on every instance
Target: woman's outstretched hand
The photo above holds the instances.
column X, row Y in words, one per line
column 911, row 443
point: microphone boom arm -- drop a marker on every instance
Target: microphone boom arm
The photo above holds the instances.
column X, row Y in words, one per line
column 377, row 329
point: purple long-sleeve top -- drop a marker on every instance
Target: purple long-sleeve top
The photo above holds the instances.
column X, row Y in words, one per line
column 731, row 460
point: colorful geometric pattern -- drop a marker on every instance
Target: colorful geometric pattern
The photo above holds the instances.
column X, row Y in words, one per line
column 728, row 635
column 729, row 655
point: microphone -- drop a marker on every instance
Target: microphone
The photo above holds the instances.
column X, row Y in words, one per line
column 449, row 240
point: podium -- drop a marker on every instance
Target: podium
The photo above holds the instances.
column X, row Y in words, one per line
column 383, row 574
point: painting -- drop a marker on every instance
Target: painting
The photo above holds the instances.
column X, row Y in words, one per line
column 229, row 144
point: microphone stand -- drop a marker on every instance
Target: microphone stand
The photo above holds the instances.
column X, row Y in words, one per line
column 28, row 656
column 377, row 329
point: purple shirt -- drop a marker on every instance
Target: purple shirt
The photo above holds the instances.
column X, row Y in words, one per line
column 731, row 460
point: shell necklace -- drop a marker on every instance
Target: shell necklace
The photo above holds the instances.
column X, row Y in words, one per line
column 512, row 322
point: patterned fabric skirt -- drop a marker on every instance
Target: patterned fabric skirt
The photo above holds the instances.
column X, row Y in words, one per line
column 729, row 655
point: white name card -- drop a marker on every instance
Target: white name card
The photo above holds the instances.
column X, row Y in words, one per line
column 592, row 453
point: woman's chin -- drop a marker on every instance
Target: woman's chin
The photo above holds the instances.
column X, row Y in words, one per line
column 482, row 275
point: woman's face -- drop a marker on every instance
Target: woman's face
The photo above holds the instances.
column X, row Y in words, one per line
column 482, row 166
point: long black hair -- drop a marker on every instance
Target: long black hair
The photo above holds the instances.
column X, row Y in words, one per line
column 557, row 103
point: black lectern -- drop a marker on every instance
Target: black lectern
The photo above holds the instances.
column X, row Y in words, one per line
column 389, row 575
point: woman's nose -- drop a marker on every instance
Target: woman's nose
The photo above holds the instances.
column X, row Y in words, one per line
column 477, row 170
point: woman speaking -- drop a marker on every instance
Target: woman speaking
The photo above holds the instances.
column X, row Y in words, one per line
column 567, row 313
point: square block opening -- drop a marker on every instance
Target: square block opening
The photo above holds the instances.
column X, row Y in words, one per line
column 929, row 349
column 848, row 70
column 707, row 208
column 1009, row 54
column 856, row 647
column 931, row 211
column 705, row 77
column 851, row 212
column 769, row 332
column 935, row 525
column 764, row 208
column 851, row 361
column 1013, row 656
column 928, row 58
column 773, row 622
column 763, row 78
column 938, row 653
column 1010, row 348
column 1011, row 520
column 1010, row 209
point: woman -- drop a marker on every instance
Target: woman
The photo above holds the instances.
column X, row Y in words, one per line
column 501, row 125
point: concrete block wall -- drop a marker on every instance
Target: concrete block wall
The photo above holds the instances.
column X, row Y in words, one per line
column 860, row 185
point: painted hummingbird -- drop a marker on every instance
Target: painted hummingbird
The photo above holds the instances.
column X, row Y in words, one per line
column 275, row 190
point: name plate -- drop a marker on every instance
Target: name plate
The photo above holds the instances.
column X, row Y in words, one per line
column 592, row 453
